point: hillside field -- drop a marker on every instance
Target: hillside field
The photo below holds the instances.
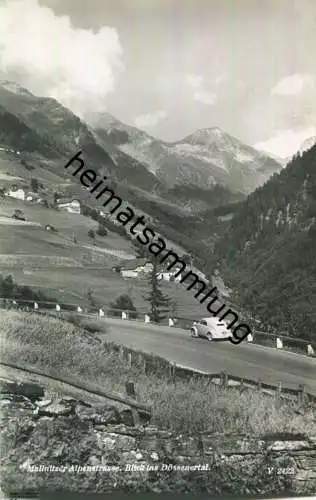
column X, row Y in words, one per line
column 66, row 271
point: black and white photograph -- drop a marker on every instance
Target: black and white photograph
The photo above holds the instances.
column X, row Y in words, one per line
column 158, row 249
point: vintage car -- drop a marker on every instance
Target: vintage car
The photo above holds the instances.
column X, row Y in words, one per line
column 211, row 329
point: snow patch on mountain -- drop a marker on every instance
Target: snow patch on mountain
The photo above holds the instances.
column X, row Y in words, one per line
column 197, row 152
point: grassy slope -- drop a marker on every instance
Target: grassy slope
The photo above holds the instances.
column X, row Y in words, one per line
column 9, row 164
column 71, row 285
column 181, row 406
column 30, row 249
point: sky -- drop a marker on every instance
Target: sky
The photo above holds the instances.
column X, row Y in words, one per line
column 172, row 66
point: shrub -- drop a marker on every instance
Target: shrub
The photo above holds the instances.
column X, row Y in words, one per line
column 92, row 326
column 123, row 303
column 102, row 231
column 34, row 185
column 91, row 234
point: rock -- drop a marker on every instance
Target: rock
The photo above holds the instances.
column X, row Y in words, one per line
column 16, row 401
column 5, row 402
column 27, row 389
column 289, row 445
column 109, row 443
column 94, row 460
column 104, row 415
column 55, row 409
column 69, row 400
column 45, row 419
column 144, row 417
column 125, row 430
column 43, row 402
column 123, row 442
column 127, row 417
column 59, row 451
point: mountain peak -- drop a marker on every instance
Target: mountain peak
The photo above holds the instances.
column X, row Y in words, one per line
column 208, row 132
column 205, row 136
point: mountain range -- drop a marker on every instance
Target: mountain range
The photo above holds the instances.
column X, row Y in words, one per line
column 203, row 159
column 230, row 206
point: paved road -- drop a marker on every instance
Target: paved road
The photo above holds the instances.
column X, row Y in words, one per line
column 243, row 360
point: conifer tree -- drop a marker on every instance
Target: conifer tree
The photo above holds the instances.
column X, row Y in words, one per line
column 157, row 300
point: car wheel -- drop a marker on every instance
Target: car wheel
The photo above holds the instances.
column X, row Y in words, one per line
column 209, row 336
column 193, row 334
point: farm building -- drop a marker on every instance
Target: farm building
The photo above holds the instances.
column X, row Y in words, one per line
column 166, row 275
column 31, row 196
column 15, row 192
column 136, row 269
column 72, row 206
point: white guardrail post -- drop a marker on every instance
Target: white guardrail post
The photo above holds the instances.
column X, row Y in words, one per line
column 279, row 343
column 311, row 351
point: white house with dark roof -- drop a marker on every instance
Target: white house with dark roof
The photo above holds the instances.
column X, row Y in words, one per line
column 69, row 205
column 136, row 268
column 15, row 192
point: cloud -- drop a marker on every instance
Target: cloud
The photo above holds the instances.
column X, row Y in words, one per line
column 150, row 120
column 293, row 85
column 199, row 94
column 286, row 142
column 194, row 80
column 49, row 56
column 208, row 98
column 219, row 80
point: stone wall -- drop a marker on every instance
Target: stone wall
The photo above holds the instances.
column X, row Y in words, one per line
column 52, row 442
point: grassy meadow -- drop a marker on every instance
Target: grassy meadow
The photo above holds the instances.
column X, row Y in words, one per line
column 65, row 270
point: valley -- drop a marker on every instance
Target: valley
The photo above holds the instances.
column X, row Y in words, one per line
column 202, row 194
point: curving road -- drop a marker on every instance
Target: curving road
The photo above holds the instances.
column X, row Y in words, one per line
column 243, row 360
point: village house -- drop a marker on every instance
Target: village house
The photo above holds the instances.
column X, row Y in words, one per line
column 15, row 192
column 69, row 205
column 166, row 275
column 136, row 269
column 30, row 196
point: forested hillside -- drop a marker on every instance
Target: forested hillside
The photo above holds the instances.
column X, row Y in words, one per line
column 269, row 251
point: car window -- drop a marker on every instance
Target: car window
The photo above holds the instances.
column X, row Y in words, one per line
column 203, row 322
